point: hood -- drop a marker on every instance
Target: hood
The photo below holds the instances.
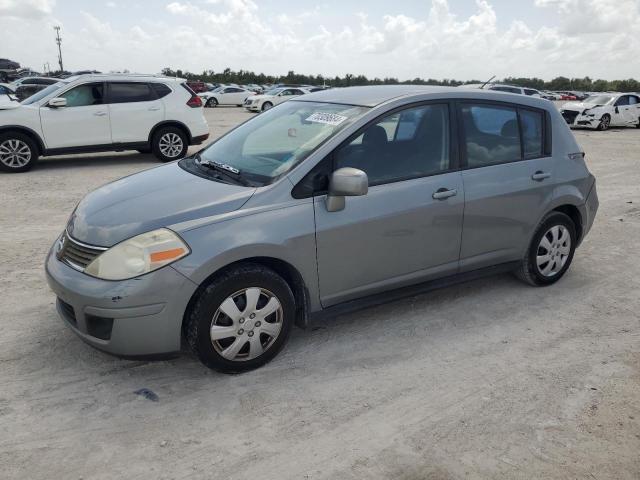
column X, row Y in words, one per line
column 260, row 97
column 149, row 200
column 579, row 106
column 7, row 104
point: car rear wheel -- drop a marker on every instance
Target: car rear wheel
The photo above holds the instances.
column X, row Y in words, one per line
column 267, row 106
column 551, row 251
column 605, row 122
column 212, row 102
column 18, row 152
column 169, row 143
column 241, row 320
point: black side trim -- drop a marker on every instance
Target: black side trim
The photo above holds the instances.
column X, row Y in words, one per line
column 27, row 131
column 404, row 292
column 107, row 147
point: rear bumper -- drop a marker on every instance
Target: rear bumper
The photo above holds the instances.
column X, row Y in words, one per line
column 591, row 208
column 142, row 316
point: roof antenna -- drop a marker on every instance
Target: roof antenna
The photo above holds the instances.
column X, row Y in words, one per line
column 485, row 83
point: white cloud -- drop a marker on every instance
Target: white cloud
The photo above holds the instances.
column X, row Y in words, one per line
column 26, row 8
column 583, row 37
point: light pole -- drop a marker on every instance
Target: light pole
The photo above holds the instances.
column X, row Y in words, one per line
column 59, row 42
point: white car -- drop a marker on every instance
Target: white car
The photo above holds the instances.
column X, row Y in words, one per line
column 260, row 103
column 91, row 113
column 603, row 111
column 228, row 95
column 531, row 92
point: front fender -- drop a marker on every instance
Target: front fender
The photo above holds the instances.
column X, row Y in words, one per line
column 286, row 234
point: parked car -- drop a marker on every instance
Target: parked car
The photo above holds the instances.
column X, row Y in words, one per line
column 27, row 86
column 514, row 89
column 197, row 86
column 7, row 69
column 227, row 95
column 603, row 111
column 260, row 103
column 334, row 200
column 102, row 113
column 567, row 96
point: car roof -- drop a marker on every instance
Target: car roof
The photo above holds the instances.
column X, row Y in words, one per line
column 371, row 96
column 125, row 76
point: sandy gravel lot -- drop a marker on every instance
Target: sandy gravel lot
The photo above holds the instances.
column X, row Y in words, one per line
column 491, row 379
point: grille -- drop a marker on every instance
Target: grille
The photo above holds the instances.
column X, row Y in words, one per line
column 75, row 254
column 569, row 116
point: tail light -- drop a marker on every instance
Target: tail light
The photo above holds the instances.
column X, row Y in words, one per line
column 195, row 102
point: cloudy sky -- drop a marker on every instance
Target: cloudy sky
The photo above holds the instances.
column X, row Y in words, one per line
column 460, row 39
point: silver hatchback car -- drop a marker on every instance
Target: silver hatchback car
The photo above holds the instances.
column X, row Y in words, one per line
column 332, row 201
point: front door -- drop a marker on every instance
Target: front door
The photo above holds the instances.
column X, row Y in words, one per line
column 508, row 181
column 397, row 234
column 83, row 122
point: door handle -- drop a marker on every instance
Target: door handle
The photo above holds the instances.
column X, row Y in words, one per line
column 540, row 176
column 100, row 114
column 444, row 193
column 154, row 109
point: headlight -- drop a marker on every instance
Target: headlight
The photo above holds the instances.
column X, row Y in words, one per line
column 588, row 113
column 138, row 255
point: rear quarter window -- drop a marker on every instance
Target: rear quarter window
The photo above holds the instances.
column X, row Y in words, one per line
column 160, row 89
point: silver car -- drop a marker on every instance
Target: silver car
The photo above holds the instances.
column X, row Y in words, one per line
column 331, row 201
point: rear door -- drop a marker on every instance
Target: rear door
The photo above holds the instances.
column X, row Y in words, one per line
column 398, row 233
column 508, row 180
column 83, row 122
column 134, row 109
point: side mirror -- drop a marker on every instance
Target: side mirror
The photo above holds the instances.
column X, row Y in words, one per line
column 345, row 182
column 57, row 102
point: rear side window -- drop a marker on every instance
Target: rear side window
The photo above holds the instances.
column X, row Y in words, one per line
column 528, row 91
column 130, row 92
column 532, row 137
column 161, row 89
column 492, row 135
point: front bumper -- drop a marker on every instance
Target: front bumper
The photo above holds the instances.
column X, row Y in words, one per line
column 141, row 316
column 577, row 119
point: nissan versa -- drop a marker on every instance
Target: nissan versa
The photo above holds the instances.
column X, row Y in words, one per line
column 322, row 204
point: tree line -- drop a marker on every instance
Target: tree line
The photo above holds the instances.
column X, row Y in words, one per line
column 243, row 77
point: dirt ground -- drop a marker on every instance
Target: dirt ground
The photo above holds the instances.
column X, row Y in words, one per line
column 491, row 379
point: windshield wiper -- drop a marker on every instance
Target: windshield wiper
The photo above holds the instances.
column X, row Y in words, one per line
column 226, row 170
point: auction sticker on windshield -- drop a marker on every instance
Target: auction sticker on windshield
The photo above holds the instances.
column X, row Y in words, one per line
column 326, row 118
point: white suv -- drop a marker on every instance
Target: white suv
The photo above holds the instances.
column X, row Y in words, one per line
column 91, row 113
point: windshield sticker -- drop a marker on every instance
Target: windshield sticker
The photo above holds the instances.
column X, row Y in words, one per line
column 326, row 118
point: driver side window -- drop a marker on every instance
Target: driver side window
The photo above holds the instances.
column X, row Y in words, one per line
column 84, row 95
column 624, row 100
column 408, row 144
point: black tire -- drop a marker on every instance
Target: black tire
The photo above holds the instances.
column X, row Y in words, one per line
column 159, row 144
column 638, row 124
column 201, row 316
column 605, row 122
column 211, row 103
column 267, row 106
column 529, row 271
column 22, row 142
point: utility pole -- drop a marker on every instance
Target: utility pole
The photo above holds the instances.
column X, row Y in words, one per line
column 59, row 42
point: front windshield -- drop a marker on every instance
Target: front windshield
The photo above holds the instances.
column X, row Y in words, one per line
column 599, row 99
column 272, row 143
column 43, row 93
column 274, row 91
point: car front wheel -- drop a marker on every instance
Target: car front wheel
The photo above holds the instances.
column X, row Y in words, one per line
column 169, row 143
column 241, row 320
column 267, row 106
column 605, row 122
column 18, row 153
column 550, row 252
